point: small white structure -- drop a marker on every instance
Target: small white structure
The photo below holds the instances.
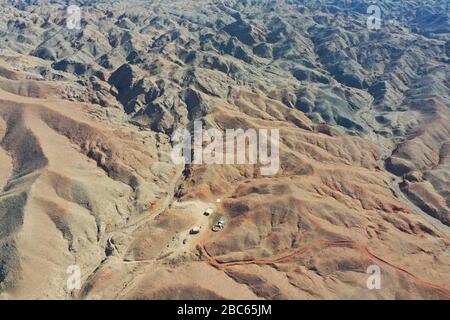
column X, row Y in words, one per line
column 195, row 230
column 220, row 224
column 208, row 212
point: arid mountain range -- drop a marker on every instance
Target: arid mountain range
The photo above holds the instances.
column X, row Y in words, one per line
column 87, row 179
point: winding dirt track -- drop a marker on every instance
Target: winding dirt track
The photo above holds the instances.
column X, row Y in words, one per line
column 325, row 243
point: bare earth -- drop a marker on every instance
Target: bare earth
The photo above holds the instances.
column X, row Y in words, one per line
column 87, row 179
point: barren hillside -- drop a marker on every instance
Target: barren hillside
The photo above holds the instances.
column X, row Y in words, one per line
column 86, row 120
